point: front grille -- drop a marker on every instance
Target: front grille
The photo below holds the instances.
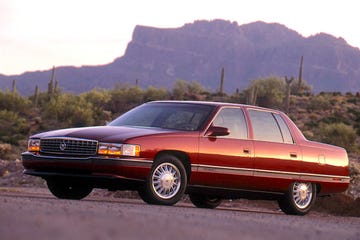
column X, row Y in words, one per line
column 68, row 146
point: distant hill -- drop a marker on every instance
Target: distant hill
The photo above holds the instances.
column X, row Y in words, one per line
column 198, row 51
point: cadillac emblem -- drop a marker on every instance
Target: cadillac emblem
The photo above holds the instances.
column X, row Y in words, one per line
column 62, row 146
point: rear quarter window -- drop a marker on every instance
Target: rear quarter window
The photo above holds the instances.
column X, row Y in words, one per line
column 287, row 138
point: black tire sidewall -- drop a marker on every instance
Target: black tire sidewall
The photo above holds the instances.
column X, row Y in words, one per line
column 288, row 205
column 68, row 189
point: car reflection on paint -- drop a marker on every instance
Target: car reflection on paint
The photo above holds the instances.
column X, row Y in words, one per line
column 211, row 151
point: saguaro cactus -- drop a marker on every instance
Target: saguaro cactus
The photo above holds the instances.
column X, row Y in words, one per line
column 13, row 90
column 222, row 81
column 51, row 85
column 300, row 75
column 288, row 92
column 36, row 96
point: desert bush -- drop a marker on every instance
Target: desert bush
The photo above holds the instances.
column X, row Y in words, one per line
column 319, row 102
column 184, row 90
column 123, row 98
column 5, row 148
column 14, row 102
column 67, row 110
column 338, row 134
column 13, row 127
column 98, row 100
column 151, row 94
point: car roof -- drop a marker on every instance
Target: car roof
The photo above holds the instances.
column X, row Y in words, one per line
column 218, row 104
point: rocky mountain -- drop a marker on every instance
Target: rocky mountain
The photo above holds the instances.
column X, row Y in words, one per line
column 198, row 51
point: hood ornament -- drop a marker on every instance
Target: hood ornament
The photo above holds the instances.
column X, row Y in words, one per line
column 62, row 146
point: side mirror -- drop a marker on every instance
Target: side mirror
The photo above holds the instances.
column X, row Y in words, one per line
column 215, row 131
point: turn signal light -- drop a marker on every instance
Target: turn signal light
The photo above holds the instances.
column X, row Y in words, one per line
column 34, row 145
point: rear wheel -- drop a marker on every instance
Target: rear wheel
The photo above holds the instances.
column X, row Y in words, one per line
column 204, row 201
column 68, row 189
column 166, row 182
column 299, row 198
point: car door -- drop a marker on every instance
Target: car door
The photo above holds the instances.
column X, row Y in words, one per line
column 277, row 158
column 226, row 161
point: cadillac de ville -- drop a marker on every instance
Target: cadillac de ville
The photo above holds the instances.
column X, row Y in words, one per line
column 211, row 151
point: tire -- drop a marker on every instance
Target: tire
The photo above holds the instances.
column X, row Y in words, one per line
column 166, row 183
column 299, row 198
column 68, row 189
column 204, row 201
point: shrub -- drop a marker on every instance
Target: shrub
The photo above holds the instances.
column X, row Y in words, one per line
column 4, row 149
column 68, row 110
column 338, row 134
column 13, row 127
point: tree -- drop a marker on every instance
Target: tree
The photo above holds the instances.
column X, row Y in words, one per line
column 184, row 90
column 268, row 92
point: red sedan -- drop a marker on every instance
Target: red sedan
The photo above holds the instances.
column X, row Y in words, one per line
column 209, row 150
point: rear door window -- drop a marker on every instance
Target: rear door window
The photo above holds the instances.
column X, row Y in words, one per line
column 265, row 126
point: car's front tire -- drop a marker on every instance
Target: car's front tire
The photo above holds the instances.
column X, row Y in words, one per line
column 68, row 189
column 166, row 183
column 299, row 198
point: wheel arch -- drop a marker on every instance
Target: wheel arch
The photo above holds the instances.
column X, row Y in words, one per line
column 182, row 156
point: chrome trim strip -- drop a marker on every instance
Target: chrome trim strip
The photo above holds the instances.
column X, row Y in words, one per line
column 268, row 173
column 69, row 138
column 123, row 162
column 221, row 169
column 127, row 161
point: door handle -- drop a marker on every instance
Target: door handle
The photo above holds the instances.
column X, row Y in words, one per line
column 246, row 151
column 293, row 155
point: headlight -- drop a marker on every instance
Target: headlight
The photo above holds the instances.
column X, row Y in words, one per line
column 34, row 145
column 113, row 149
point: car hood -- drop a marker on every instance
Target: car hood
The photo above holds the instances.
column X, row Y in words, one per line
column 103, row 133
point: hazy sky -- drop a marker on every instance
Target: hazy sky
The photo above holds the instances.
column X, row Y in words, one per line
column 37, row 34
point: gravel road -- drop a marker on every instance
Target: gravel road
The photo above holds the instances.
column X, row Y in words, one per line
column 38, row 215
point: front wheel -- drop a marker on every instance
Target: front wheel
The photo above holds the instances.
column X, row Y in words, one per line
column 166, row 182
column 68, row 189
column 299, row 198
column 204, row 201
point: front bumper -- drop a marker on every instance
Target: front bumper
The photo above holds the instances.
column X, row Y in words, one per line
column 44, row 166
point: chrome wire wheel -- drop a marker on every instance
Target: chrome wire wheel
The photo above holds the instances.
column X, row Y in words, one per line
column 302, row 194
column 166, row 180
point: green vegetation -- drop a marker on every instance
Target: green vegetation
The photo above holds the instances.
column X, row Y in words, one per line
column 328, row 117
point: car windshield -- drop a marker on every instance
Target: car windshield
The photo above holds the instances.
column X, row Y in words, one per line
column 177, row 116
